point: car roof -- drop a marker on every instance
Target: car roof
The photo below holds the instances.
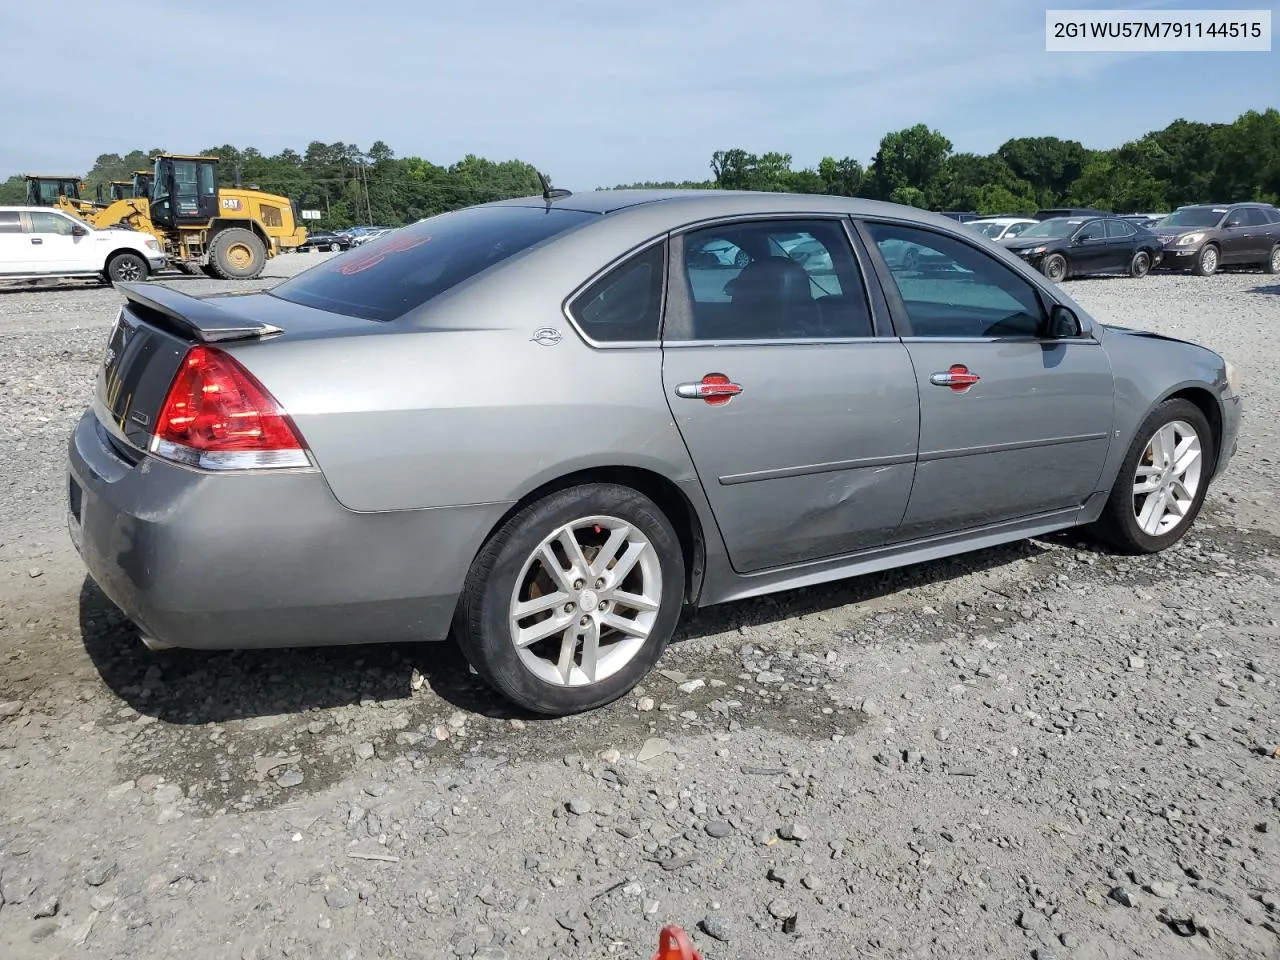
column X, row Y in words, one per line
column 693, row 204
column 27, row 208
column 1004, row 220
column 1227, row 206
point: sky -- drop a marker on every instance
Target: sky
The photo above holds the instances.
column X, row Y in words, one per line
column 593, row 92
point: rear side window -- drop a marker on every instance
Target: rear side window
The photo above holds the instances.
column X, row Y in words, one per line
column 10, row 222
column 401, row 270
column 626, row 303
column 1118, row 229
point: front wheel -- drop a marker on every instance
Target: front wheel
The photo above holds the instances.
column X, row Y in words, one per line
column 127, row 268
column 1140, row 265
column 1162, row 482
column 1054, row 267
column 335, row 247
column 571, row 602
column 1207, row 262
column 237, row 254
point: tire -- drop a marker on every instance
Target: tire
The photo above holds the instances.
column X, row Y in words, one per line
column 127, row 268
column 1055, row 267
column 1119, row 524
column 237, row 254
column 1206, row 261
column 1273, row 262
column 1140, row 265
column 508, row 570
column 335, row 247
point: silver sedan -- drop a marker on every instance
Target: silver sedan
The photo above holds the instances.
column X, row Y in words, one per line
column 546, row 426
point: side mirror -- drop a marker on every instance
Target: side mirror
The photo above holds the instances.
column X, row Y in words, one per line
column 79, row 231
column 1233, row 223
column 1062, row 324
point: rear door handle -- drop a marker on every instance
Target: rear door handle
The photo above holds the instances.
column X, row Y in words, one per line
column 36, row 240
column 959, row 378
column 713, row 388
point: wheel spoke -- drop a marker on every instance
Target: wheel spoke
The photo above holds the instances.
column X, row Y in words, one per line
column 624, row 625
column 1152, row 512
column 633, row 600
column 551, row 563
column 573, row 550
column 528, row 608
column 627, row 561
column 617, row 537
column 591, row 650
column 1188, row 452
column 527, row 636
column 1148, row 481
column 568, row 645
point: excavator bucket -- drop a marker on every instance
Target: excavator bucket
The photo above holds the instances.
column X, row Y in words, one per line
column 674, row 944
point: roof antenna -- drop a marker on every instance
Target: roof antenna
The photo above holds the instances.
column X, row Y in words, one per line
column 549, row 194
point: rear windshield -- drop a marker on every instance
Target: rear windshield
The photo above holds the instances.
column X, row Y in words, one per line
column 391, row 275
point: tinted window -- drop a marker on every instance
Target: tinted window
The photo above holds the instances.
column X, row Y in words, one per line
column 626, row 303
column 391, row 275
column 950, row 289
column 10, row 222
column 50, row 223
column 774, row 280
column 1118, row 228
column 1254, row 217
column 1272, row 215
column 1016, row 229
column 1193, row 217
column 1092, row 230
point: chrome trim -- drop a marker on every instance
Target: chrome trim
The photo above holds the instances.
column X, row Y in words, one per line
column 799, row 342
column 955, row 452
column 1043, row 341
column 782, row 473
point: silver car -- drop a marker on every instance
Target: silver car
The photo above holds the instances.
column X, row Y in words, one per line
column 547, row 427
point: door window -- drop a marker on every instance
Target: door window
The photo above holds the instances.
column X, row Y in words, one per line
column 951, row 290
column 774, row 280
column 1118, row 230
column 1016, row 228
column 1253, row 217
column 50, row 223
column 10, row 222
column 626, row 303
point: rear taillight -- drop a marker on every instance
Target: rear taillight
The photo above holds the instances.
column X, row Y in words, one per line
column 217, row 416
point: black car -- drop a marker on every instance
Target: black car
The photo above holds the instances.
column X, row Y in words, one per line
column 1069, row 212
column 1206, row 236
column 323, row 240
column 1075, row 246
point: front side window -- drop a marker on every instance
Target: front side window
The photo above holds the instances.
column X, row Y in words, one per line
column 50, row 223
column 955, row 290
column 626, row 303
column 774, row 280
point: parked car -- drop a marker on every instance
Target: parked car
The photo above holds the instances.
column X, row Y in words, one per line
column 963, row 216
column 1206, row 236
column 1075, row 246
column 325, row 240
column 536, row 423
column 1147, row 220
column 1001, row 228
column 1069, row 212
column 36, row 242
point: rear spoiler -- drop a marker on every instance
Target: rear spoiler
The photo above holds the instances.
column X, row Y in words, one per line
column 202, row 319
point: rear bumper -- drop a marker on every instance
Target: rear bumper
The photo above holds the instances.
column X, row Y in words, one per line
column 261, row 561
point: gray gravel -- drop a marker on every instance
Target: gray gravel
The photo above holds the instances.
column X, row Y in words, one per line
column 1043, row 750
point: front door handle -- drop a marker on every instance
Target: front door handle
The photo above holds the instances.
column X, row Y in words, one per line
column 959, row 378
column 36, row 240
column 713, row 388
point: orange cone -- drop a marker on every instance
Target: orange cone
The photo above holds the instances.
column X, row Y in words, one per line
column 674, row 944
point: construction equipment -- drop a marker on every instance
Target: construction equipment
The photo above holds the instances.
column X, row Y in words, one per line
column 229, row 232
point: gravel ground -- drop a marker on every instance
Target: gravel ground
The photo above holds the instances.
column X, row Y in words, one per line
column 1043, row 750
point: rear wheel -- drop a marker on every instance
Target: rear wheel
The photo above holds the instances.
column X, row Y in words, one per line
column 127, row 268
column 1162, row 482
column 1273, row 262
column 237, row 254
column 335, row 247
column 571, row 602
column 1207, row 262
column 1140, row 265
column 1054, row 266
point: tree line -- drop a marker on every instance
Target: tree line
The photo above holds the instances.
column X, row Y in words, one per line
column 1185, row 162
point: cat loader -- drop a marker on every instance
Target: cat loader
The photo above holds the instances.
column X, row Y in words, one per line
column 228, row 232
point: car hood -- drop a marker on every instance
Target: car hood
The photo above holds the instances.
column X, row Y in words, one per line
column 1163, row 232
column 1149, row 334
column 1018, row 243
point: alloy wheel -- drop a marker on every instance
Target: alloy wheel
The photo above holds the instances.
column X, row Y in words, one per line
column 1209, row 259
column 1167, row 478
column 128, row 271
column 585, row 601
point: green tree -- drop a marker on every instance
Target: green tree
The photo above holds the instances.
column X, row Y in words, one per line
column 912, row 160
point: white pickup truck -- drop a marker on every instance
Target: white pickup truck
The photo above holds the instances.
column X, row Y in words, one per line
column 36, row 242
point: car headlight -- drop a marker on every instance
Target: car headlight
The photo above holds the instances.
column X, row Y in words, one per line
column 1187, row 239
column 1036, row 251
column 151, row 244
column 1233, row 378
